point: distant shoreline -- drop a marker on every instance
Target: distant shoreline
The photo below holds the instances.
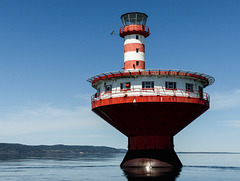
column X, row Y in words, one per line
column 13, row 148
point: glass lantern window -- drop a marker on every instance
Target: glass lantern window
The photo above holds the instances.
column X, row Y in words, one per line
column 141, row 19
column 134, row 18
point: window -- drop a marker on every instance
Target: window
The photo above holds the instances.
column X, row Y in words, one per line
column 148, row 84
column 137, row 50
column 170, row 85
column 125, row 86
column 108, row 88
column 137, row 63
column 189, row 87
column 137, row 37
column 200, row 92
column 98, row 92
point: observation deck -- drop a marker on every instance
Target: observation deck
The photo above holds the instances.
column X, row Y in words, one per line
column 158, row 93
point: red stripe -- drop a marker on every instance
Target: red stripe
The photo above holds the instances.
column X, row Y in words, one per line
column 133, row 47
column 134, row 64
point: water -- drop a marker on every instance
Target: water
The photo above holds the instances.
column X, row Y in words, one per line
column 197, row 166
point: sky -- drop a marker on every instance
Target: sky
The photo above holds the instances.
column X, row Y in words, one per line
column 48, row 49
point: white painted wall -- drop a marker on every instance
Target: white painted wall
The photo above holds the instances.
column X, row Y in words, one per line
column 132, row 39
column 159, row 86
column 133, row 55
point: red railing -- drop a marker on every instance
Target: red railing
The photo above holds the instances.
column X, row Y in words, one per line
column 136, row 29
column 150, row 92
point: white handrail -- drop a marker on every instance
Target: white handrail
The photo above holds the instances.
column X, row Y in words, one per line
column 151, row 92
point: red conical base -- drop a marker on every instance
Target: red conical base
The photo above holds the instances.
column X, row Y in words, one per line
column 150, row 124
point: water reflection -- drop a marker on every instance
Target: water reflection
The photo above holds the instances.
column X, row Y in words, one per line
column 149, row 173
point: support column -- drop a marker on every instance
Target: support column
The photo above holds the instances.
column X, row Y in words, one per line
column 151, row 151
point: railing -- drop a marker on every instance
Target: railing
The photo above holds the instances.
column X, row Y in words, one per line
column 164, row 72
column 150, row 92
column 135, row 27
column 124, row 30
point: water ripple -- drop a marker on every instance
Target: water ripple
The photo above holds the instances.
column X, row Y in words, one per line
column 214, row 167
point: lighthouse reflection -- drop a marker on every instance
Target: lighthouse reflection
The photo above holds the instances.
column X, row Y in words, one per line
column 151, row 173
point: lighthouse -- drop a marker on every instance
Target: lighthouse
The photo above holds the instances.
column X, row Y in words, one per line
column 149, row 106
column 134, row 32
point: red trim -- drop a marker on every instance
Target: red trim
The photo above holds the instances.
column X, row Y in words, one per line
column 150, row 72
column 134, row 29
column 133, row 46
column 136, row 99
column 132, row 64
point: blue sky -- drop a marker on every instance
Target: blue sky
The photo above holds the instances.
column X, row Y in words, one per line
column 48, row 49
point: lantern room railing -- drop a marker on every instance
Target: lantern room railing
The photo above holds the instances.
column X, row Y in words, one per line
column 150, row 92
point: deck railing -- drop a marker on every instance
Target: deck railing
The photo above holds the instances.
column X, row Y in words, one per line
column 150, row 92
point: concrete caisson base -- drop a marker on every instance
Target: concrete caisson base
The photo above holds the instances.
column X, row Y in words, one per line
column 151, row 158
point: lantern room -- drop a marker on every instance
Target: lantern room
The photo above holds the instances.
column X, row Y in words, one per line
column 134, row 18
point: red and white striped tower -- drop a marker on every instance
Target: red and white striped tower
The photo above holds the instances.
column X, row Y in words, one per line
column 134, row 32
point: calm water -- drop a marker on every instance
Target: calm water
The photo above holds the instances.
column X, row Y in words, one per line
column 220, row 167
